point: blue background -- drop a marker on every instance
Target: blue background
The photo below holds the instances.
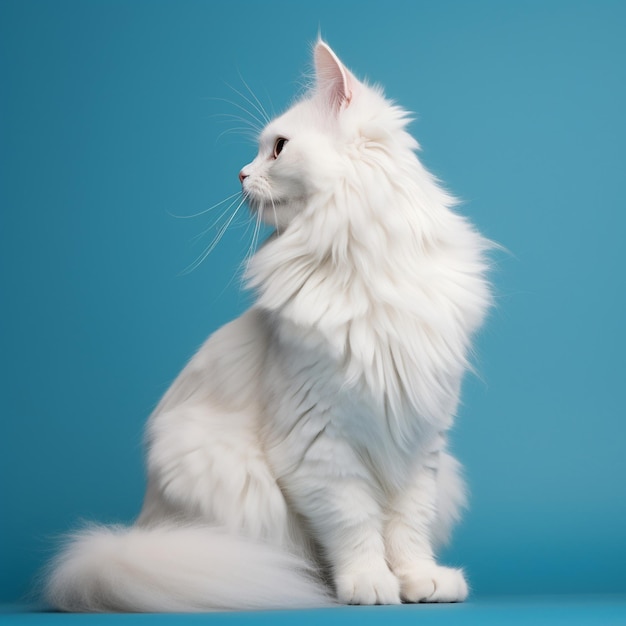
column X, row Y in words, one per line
column 109, row 125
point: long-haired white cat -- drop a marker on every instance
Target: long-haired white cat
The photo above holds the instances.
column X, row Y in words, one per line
column 299, row 459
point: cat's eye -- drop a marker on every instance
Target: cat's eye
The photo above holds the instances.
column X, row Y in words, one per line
column 279, row 145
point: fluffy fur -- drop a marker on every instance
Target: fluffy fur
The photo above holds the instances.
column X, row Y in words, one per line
column 300, row 457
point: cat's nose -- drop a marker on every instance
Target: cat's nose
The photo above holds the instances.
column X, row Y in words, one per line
column 242, row 176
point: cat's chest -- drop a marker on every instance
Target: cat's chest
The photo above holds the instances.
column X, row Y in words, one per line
column 308, row 393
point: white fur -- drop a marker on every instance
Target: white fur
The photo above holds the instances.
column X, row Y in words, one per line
column 177, row 568
column 302, row 451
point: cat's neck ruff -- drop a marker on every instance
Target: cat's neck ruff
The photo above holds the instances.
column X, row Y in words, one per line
column 387, row 275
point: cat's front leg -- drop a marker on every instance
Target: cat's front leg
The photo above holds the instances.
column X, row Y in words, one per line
column 412, row 517
column 334, row 492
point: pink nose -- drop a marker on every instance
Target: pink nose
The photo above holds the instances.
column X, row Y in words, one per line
column 242, row 176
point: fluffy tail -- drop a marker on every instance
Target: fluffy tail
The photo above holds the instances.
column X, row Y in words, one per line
column 177, row 569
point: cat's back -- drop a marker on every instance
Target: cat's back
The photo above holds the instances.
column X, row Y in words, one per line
column 226, row 369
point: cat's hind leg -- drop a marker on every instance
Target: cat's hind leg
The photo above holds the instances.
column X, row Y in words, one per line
column 205, row 464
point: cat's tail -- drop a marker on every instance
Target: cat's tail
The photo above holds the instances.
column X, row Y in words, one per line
column 177, row 569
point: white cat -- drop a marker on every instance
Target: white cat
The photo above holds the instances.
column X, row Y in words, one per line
column 299, row 459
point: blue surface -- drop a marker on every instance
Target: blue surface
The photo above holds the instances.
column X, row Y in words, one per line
column 107, row 127
column 553, row 611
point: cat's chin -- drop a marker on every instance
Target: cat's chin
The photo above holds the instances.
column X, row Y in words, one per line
column 277, row 212
column 261, row 202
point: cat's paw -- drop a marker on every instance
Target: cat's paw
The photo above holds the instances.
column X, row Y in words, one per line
column 433, row 583
column 368, row 586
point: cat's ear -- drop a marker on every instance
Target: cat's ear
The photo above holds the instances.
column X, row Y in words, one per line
column 334, row 80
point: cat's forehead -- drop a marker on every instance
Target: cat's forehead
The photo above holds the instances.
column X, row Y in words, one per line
column 297, row 118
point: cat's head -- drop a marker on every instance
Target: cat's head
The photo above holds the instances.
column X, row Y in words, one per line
column 309, row 153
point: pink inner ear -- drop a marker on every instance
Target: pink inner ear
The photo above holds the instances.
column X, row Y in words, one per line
column 333, row 79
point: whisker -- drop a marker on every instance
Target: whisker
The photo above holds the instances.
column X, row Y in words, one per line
column 186, row 217
column 253, row 244
column 272, row 107
column 224, row 228
column 240, row 273
column 215, row 241
column 258, row 106
column 249, row 221
column 241, row 108
column 216, row 221
column 247, row 133
column 275, row 216
column 238, row 118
